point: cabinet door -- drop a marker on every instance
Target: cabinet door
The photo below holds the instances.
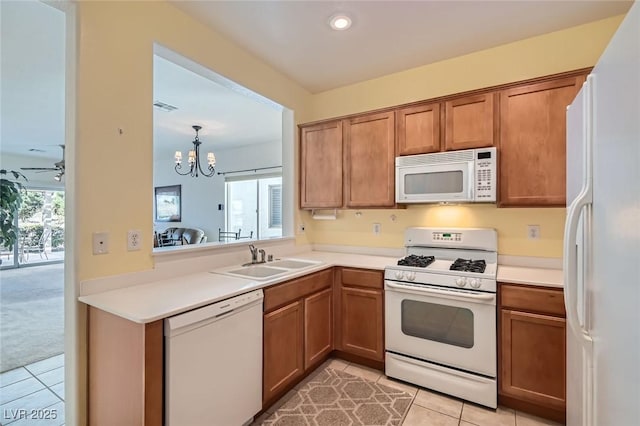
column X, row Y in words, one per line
column 533, row 358
column 370, row 160
column 418, row 129
column 317, row 327
column 469, row 122
column 533, row 142
column 362, row 322
column 321, row 165
column 283, row 361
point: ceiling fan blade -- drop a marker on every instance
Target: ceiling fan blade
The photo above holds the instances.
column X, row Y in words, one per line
column 46, row 169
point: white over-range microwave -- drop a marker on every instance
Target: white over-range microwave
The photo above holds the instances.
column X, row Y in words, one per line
column 467, row 176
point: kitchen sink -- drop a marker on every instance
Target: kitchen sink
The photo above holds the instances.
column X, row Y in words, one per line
column 292, row 263
column 257, row 271
column 264, row 271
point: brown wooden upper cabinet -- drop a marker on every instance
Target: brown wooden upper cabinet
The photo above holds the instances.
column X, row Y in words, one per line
column 321, row 165
column 460, row 123
column 418, row 129
column 470, row 122
column 533, row 142
column 354, row 157
column 370, row 160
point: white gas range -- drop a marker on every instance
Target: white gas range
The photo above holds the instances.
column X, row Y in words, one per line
column 440, row 312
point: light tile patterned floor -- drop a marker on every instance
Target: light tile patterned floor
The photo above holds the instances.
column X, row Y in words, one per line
column 429, row 408
column 33, row 394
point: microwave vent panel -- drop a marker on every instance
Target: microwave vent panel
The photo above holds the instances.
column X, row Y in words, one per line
column 437, row 158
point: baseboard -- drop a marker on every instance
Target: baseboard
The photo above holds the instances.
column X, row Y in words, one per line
column 378, row 365
column 559, row 416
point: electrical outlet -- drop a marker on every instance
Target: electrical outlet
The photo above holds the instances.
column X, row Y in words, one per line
column 100, row 242
column 134, row 239
column 376, row 228
column 533, row 232
column 301, row 228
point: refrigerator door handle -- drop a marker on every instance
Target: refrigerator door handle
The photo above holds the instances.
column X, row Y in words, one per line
column 584, row 198
column 571, row 266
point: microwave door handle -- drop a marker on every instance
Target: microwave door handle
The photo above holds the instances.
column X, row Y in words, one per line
column 471, row 181
column 442, row 293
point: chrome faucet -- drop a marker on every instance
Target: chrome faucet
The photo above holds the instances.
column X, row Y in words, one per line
column 254, row 253
column 262, row 255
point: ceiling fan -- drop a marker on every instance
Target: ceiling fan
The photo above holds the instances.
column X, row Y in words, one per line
column 58, row 166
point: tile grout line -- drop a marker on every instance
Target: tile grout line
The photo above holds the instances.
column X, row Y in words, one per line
column 48, row 388
column 25, row 395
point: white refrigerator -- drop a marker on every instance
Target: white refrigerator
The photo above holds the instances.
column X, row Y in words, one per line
column 602, row 238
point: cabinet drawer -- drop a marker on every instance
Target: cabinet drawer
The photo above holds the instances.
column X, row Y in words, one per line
column 548, row 301
column 362, row 278
column 281, row 294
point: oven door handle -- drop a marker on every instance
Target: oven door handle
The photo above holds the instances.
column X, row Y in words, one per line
column 441, row 293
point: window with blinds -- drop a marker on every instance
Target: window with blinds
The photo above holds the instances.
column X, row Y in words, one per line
column 254, row 206
column 275, row 206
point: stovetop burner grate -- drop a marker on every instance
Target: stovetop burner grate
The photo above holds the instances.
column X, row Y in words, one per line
column 418, row 261
column 468, row 265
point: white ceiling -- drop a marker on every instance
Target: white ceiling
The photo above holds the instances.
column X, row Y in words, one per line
column 386, row 36
column 32, row 79
column 228, row 119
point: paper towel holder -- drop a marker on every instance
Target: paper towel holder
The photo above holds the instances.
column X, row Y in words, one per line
column 317, row 214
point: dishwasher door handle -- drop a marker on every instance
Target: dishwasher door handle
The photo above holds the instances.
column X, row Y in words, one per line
column 225, row 313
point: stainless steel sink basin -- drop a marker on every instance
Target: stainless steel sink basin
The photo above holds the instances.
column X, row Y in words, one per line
column 258, row 271
column 292, row 263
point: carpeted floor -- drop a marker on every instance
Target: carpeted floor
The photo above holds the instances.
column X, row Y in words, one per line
column 333, row 397
column 31, row 314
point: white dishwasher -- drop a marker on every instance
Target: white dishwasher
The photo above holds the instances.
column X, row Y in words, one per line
column 213, row 363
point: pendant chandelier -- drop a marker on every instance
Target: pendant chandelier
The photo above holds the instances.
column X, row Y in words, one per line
column 195, row 169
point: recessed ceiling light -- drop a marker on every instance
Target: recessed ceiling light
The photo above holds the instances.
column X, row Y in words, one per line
column 340, row 22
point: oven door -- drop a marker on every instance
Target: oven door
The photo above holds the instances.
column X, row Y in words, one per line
column 435, row 183
column 455, row 328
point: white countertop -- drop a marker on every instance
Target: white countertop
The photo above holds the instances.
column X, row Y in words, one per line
column 161, row 299
column 530, row 276
column 149, row 302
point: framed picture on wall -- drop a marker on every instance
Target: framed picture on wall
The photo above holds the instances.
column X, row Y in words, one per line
column 168, row 203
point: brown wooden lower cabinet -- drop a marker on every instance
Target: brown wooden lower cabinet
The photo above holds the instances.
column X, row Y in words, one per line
column 283, row 349
column 318, row 336
column 358, row 314
column 299, row 335
column 532, row 351
column 362, row 322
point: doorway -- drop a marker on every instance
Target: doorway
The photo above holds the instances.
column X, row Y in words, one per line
column 32, row 295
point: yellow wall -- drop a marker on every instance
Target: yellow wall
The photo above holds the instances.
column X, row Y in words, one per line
column 566, row 50
column 114, row 91
column 570, row 49
column 353, row 230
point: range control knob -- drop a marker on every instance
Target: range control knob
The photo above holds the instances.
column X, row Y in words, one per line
column 411, row 276
column 474, row 282
column 461, row 282
column 399, row 275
